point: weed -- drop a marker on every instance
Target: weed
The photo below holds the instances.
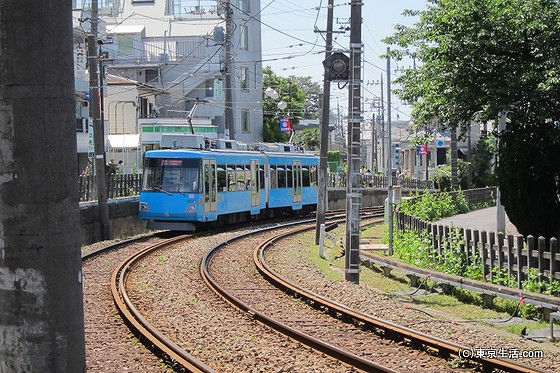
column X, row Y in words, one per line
column 161, row 259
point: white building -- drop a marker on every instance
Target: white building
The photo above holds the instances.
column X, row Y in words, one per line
column 173, row 54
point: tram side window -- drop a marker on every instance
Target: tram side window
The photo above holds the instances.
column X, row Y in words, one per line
column 222, row 177
column 281, row 176
column 313, row 175
column 240, row 173
column 290, row 176
column 231, row 178
column 261, row 176
column 247, row 177
column 305, row 181
column 273, row 177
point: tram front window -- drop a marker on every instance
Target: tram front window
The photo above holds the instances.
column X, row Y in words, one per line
column 171, row 175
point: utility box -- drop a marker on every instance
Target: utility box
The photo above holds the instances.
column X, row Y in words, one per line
column 397, row 194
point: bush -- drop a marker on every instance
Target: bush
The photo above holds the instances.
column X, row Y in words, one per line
column 430, row 206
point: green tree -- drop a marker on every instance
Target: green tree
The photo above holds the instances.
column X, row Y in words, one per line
column 289, row 92
column 309, row 138
column 480, row 58
column 313, row 92
column 483, row 161
column 442, row 176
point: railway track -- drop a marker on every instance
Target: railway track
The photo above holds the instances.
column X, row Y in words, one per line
column 192, row 295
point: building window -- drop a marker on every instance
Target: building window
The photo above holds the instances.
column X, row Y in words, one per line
column 243, row 6
column 244, row 79
column 245, row 121
column 180, row 8
column 126, row 45
column 244, row 42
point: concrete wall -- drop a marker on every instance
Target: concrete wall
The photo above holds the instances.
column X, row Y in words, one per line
column 123, row 213
column 125, row 222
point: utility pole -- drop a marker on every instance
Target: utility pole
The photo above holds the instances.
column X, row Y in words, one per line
column 95, row 112
column 228, row 71
column 353, row 183
column 42, row 320
column 389, row 157
column 324, row 140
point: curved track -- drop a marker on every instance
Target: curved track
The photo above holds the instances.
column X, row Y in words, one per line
column 356, row 322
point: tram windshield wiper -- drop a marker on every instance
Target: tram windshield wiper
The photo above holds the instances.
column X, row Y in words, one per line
column 160, row 189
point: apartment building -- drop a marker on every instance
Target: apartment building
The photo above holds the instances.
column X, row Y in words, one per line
column 167, row 64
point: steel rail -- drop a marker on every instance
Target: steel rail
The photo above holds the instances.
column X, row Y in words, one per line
column 445, row 348
column 139, row 324
column 317, row 344
column 132, row 317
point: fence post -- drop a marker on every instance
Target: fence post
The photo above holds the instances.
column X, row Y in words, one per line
column 530, row 248
column 553, row 251
column 440, row 241
column 429, row 229
column 474, row 246
column 467, row 245
column 509, row 248
column 541, row 248
column 519, row 248
column 491, row 253
column 487, row 275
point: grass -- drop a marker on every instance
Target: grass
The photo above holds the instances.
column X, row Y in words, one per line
column 461, row 307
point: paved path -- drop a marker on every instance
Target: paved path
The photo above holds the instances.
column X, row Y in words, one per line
column 483, row 220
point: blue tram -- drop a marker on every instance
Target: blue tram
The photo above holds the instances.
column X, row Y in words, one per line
column 184, row 188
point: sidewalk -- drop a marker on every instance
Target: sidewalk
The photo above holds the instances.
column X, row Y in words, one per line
column 482, row 220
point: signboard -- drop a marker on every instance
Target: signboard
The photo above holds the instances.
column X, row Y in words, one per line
column 285, row 125
column 422, row 149
column 91, row 141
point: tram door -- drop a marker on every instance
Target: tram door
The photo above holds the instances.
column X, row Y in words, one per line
column 210, row 187
column 255, row 195
column 296, row 169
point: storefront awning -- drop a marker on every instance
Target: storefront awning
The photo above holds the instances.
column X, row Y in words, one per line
column 124, row 141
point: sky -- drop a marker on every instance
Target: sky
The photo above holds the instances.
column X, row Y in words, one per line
column 291, row 47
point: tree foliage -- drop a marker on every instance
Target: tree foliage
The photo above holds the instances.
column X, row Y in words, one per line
column 292, row 94
column 480, row 58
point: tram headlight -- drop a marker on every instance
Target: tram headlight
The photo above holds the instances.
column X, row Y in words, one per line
column 143, row 206
column 191, row 208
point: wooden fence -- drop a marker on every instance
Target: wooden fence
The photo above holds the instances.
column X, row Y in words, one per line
column 513, row 255
column 118, row 185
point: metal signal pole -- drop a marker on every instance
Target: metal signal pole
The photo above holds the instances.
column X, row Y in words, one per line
column 353, row 183
column 324, row 145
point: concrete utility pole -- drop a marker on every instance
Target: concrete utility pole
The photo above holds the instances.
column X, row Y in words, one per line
column 228, row 71
column 95, row 111
column 324, row 140
column 355, row 119
column 41, row 301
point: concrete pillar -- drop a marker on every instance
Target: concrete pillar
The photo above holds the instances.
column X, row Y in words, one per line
column 41, row 306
